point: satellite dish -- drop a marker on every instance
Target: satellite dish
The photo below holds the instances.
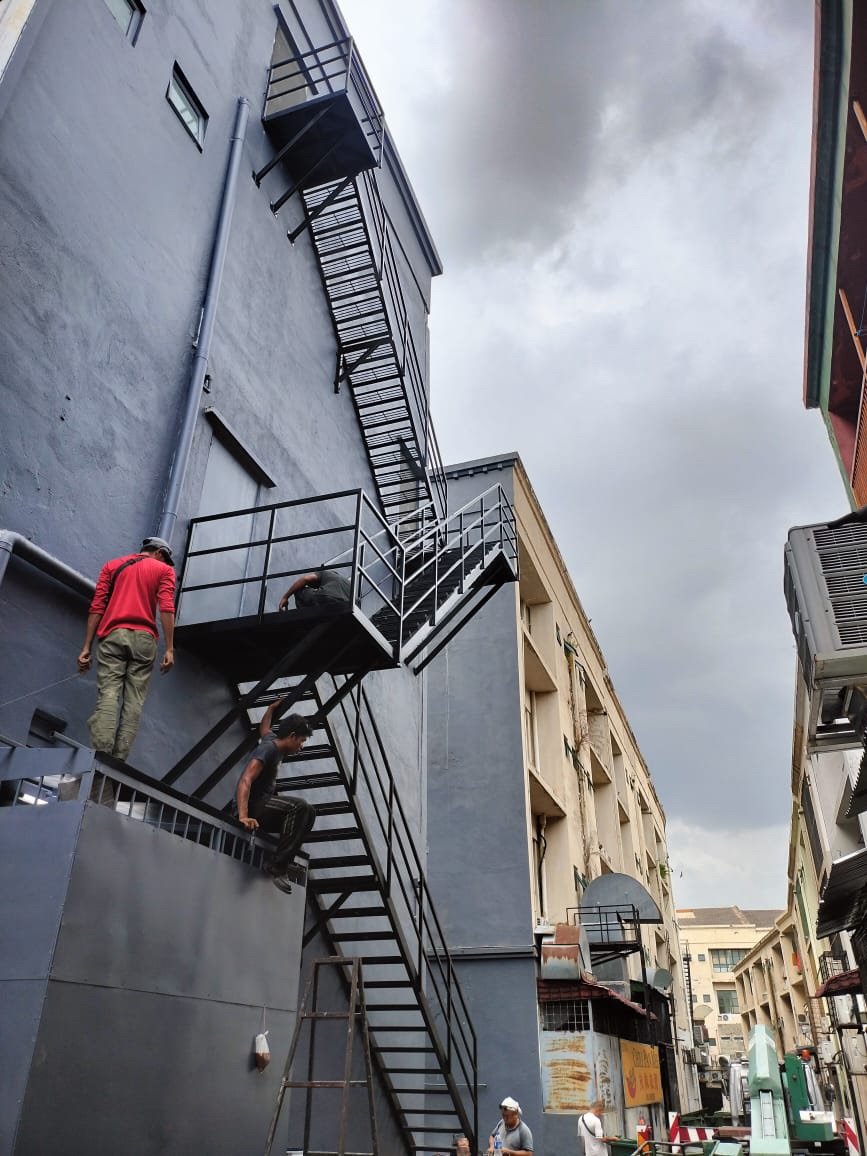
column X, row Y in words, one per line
column 661, row 979
column 701, row 1011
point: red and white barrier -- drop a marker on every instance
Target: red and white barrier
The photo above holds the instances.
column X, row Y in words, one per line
column 679, row 1134
column 850, row 1136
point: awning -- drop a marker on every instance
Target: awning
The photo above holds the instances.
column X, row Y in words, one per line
column 844, row 983
column 844, row 896
column 551, row 991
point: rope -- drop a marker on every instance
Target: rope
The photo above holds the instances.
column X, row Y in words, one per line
column 40, row 689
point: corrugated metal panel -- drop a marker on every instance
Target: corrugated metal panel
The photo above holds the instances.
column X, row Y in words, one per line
column 567, row 1071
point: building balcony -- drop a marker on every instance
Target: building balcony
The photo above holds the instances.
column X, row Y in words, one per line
column 538, row 675
column 321, row 111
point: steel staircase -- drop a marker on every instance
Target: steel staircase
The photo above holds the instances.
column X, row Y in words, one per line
column 376, row 353
column 452, row 566
column 368, row 897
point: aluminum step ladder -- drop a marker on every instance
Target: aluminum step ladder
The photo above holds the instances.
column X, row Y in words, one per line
column 355, row 1017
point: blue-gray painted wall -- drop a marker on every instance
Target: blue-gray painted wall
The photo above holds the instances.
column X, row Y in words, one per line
column 477, row 839
column 107, row 218
column 135, row 971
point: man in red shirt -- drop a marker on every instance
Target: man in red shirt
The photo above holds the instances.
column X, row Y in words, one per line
column 122, row 615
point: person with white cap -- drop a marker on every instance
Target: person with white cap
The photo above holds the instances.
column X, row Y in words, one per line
column 122, row 616
column 511, row 1136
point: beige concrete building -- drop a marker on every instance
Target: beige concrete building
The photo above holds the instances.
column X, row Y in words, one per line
column 591, row 805
column 715, row 940
column 772, row 988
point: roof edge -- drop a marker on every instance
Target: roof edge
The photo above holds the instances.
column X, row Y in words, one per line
column 830, row 105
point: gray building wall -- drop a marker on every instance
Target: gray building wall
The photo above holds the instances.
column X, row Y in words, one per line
column 475, row 809
column 108, row 212
column 135, row 991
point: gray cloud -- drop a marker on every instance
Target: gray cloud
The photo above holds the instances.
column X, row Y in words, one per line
column 620, row 194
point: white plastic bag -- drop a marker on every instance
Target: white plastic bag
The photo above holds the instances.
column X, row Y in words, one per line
column 263, row 1052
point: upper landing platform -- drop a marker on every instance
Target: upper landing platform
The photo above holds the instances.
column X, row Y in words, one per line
column 322, row 114
column 239, row 565
column 339, row 639
column 405, row 583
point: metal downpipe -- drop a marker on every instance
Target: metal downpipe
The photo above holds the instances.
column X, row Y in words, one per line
column 180, row 460
column 11, row 542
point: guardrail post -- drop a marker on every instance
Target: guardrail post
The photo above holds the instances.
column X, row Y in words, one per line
column 264, row 589
column 355, row 537
column 419, row 897
column 349, row 56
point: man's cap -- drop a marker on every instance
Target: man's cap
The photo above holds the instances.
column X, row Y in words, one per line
column 293, row 724
column 159, row 544
column 511, row 1104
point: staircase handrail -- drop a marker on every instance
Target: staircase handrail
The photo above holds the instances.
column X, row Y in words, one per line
column 460, row 1037
column 337, row 68
column 362, row 541
column 397, row 316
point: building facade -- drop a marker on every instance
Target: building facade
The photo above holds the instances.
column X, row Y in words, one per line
column 834, row 355
column 530, row 750
column 215, row 286
column 716, row 939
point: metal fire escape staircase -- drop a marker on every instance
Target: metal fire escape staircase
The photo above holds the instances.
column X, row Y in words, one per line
column 367, row 896
column 326, row 123
column 411, row 591
column 376, row 352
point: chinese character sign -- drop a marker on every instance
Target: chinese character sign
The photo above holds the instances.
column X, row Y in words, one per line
column 642, row 1083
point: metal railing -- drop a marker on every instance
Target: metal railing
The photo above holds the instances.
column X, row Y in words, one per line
column 421, row 940
column 405, row 580
column 330, row 70
column 442, row 556
column 406, row 354
column 234, row 560
column 143, row 800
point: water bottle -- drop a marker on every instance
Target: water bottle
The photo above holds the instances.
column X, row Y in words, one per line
column 498, row 1143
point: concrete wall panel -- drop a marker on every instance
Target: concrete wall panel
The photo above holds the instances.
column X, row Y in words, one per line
column 151, row 1073
column 180, row 919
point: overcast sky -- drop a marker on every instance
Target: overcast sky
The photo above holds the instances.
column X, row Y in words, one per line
column 618, row 190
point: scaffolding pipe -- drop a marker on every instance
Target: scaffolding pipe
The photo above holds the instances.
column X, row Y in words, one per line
column 11, row 542
column 181, row 457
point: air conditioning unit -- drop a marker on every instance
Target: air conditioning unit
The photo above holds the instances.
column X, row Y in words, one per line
column 724, row 1017
column 826, row 596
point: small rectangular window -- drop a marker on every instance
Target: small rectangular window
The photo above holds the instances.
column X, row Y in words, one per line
column 188, row 107
column 128, row 14
column 566, row 1015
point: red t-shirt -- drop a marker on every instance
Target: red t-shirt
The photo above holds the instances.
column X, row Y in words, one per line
column 139, row 591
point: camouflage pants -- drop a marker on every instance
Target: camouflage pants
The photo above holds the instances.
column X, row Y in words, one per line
column 124, row 663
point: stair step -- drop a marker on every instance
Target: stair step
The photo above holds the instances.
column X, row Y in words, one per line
column 383, row 959
column 316, row 782
column 386, row 983
column 404, row 1050
column 336, row 807
column 360, row 913
column 338, row 886
column 361, row 936
column 434, row 1090
column 326, row 834
column 310, row 754
column 397, row 1027
column 339, row 861
column 391, row 1006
